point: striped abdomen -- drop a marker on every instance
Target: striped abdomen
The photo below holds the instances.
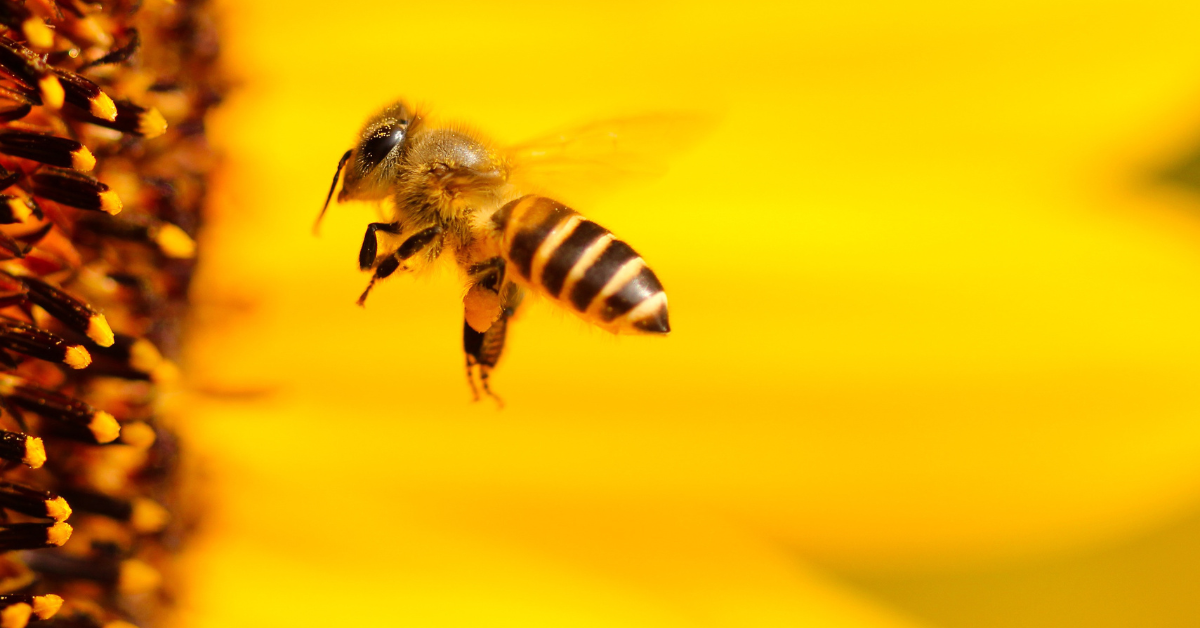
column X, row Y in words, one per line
column 576, row 261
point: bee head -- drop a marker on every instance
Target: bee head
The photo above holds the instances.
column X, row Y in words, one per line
column 373, row 161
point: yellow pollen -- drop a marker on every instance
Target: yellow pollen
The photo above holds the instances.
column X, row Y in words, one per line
column 45, row 606
column 175, row 242
column 15, row 616
column 144, row 356
column 19, row 209
column 58, row 509
column 148, row 516
column 152, row 123
column 77, row 357
column 110, row 203
column 165, row 374
column 35, row 452
column 52, row 92
column 137, row 577
column 58, row 533
column 94, row 32
column 37, row 33
column 82, row 160
column 104, row 108
column 104, row 427
column 138, row 435
column 99, row 331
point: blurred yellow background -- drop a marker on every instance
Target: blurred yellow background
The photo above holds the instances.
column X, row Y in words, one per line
column 935, row 311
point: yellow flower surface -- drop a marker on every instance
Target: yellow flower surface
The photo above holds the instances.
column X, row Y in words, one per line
column 934, row 304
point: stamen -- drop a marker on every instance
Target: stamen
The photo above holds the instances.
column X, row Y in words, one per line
column 30, row 68
column 82, row 420
column 47, row 149
column 136, row 577
column 51, row 91
column 39, row 343
column 144, row 515
column 138, row 435
column 46, row 606
column 22, row 536
column 144, row 356
column 17, row 17
column 73, row 312
column 130, row 357
column 77, row 357
column 86, row 95
column 130, row 576
column 22, row 448
column 33, row 502
column 41, row 606
column 132, row 119
column 148, row 516
column 173, row 241
column 76, row 190
column 37, row 33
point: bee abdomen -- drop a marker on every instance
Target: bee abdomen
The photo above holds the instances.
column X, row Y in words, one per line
column 582, row 265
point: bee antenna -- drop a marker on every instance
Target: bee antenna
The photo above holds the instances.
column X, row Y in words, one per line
column 332, row 186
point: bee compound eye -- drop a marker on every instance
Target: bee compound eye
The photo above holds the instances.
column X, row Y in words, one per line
column 386, row 139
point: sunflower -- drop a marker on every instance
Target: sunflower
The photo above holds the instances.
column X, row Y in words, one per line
column 104, row 164
column 933, row 348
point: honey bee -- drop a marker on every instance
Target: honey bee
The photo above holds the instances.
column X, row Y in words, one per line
column 447, row 190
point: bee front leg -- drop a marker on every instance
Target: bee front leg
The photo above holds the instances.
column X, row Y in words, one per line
column 366, row 255
column 410, row 247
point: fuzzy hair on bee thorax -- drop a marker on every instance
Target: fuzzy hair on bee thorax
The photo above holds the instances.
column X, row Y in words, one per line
column 447, row 176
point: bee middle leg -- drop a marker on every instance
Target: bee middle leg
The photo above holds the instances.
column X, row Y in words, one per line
column 410, row 247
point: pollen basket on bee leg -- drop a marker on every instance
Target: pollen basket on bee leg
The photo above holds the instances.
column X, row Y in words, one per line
column 482, row 306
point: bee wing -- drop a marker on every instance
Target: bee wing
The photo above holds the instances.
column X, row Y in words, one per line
column 583, row 162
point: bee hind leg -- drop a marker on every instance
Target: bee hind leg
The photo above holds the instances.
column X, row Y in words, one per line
column 478, row 361
column 483, row 350
column 471, row 363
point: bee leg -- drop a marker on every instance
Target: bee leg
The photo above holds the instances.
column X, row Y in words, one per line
column 482, row 303
column 484, row 371
column 408, row 248
column 366, row 255
column 484, row 349
column 472, row 342
column 418, row 241
column 490, row 348
column 383, row 271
